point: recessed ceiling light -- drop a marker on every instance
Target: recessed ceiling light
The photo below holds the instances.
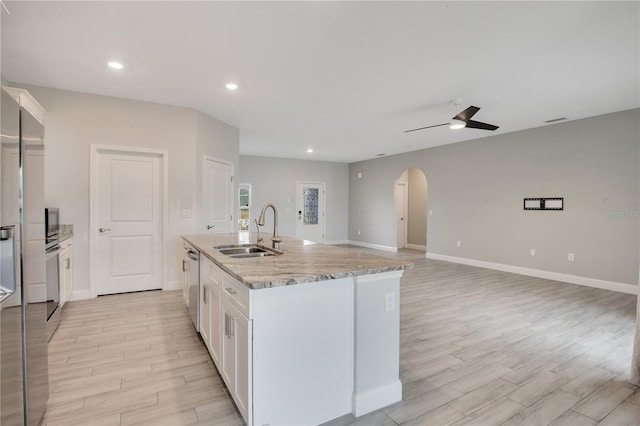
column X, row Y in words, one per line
column 231, row 86
column 309, row 151
column 115, row 65
column 380, row 155
column 553, row 120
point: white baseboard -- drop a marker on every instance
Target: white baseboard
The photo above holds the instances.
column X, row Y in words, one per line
column 80, row 295
column 373, row 246
column 335, row 243
column 555, row 276
column 173, row 285
column 366, row 402
column 416, row 247
column 86, row 294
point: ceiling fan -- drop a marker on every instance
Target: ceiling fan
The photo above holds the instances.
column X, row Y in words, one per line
column 462, row 119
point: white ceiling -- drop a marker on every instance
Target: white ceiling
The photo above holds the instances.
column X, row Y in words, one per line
column 344, row 78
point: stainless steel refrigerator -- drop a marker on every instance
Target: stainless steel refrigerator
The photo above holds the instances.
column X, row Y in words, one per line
column 24, row 371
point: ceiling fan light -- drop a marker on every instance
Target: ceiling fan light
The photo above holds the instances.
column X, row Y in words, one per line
column 457, row 124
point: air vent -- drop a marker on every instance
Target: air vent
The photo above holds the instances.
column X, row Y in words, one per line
column 380, row 155
column 554, row 120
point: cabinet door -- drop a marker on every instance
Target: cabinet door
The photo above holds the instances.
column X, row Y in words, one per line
column 67, row 268
column 185, row 281
column 228, row 346
column 64, row 258
column 216, row 326
column 236, row 355
column 241, row 330
column 205, row 313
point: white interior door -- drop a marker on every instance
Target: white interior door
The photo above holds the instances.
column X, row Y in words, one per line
column 218, row 195
column 401, row 213
column 310, row 207
column 128, row 219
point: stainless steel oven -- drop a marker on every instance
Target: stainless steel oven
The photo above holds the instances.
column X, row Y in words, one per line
column 51, row 221
column 53, row 288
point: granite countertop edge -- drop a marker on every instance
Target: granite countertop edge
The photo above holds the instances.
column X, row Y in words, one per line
column 283, row 275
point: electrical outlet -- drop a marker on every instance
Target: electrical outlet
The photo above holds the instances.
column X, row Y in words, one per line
column 571, row 257
column 533, row 252
column 430, row 212
column 358, row 232
column 459, row 244
column 185, row 213
column 389, row 302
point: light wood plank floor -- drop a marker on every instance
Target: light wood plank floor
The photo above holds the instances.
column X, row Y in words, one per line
column 478, row 347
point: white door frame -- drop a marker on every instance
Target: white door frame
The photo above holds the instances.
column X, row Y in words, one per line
column 96, row 149
column 324, row 207
column 232, row 190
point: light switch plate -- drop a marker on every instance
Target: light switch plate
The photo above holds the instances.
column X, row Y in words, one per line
column 186, row 213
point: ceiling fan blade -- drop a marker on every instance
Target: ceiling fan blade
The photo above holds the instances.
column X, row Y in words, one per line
column 478, row 125
column 467, row 113
column 428, row 127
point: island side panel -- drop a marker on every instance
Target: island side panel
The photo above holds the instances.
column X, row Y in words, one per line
column 377, row 342
column 303, row 352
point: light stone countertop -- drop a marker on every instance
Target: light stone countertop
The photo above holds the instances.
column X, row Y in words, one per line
column 301, row 262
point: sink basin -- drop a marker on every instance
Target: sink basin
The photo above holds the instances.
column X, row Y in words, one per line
column 250, row 250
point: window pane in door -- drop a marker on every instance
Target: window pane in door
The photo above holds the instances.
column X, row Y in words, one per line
column 310, row 197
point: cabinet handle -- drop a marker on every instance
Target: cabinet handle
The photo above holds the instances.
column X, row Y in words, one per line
column 226, row 324
column 204, row 295
column 232, row 326
column 184, row 266
column 68, row 264
column 230, row 290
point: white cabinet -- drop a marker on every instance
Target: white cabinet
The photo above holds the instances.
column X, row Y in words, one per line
column 66, row 270
column 236, row 354
column 305, row 353
column 28, row 102
column 185, row 276
column 226, row 330
column 210, row 328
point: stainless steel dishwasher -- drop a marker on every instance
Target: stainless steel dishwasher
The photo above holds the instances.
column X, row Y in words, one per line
column 192, row 271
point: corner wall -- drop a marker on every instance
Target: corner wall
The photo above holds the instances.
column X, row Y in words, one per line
column 74, row 121
column 476, row 191
column 219, row 140
column 273, row 180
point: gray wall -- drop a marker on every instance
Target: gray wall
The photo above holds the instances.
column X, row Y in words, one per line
column 476, row 191
column 220, row 140
column 273, row 180
column 75, row 120
column 417, row 208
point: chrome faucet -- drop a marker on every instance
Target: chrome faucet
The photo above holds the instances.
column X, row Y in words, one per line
column 276, row 238
column 259, row 239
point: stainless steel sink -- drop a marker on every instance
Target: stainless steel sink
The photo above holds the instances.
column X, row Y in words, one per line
column 249, row 250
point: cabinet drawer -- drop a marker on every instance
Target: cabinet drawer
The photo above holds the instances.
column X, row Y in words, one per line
column 209, row 272
column 236, row 292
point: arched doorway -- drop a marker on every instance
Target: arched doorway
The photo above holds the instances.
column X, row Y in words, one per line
column 410, row 195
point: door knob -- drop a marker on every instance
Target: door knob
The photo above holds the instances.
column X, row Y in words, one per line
column 210, row 226
column 104, row 229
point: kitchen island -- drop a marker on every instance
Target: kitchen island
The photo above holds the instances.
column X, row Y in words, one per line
column 305, row 336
